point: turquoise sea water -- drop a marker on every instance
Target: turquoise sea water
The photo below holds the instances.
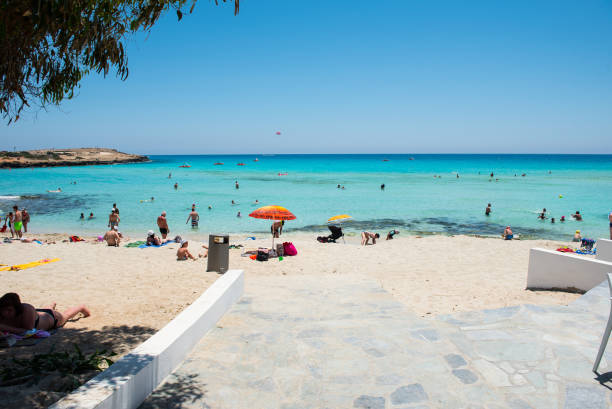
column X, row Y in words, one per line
column 412, row 202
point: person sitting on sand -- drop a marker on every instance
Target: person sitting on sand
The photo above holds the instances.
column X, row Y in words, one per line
column 391, row 234
column 112, row 237
column 152, row 239
column 507, row 235
column 17, row 317
column 577, row 216
column 277, row 228
column 162, row 223
column 366, row 236
column 488, row 210
column 577, row 237
column 183, row 252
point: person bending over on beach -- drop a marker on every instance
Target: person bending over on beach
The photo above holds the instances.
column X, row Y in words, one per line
column 17, row 221
column 277, row 229
column 26, row 219
column 162, row 223
column 112, row 237
column 391, row 234
column 152, row 239
column 507, row 235
column 366, row 236
column 183, row 253
column 577, row 216
column 113, row 219
column 194, row 216
column 17, row 317
column 488, row 210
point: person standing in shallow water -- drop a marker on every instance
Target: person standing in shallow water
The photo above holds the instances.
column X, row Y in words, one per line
column 194, row 216
column 610, row 220
column 488, row 210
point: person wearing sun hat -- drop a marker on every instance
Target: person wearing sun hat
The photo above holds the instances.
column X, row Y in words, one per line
column 152, row 239
column 577, row 237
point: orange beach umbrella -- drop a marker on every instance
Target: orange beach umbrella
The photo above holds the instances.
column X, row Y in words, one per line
column 272, row 213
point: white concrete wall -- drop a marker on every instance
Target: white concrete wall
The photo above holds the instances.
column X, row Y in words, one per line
column 604, row 250
column 128, row 382
column 553, row 269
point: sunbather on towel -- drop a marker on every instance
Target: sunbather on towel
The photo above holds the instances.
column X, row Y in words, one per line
column 18, row 317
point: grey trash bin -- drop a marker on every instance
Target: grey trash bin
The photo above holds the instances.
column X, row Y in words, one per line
column 218, row 252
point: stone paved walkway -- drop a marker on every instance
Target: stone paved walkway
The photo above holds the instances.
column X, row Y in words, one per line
column 343, row 342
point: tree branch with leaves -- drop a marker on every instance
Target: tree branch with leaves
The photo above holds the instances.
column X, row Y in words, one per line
column 48, row 46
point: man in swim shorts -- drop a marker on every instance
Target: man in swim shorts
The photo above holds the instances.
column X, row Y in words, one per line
column 17, row 221
column 113, row 219
column 162, row 223
column 194, row 216
column 488, row 209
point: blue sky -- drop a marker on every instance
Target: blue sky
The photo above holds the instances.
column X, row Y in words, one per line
column 358, row 76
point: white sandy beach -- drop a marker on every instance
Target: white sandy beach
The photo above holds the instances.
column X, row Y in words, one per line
column 133, row 292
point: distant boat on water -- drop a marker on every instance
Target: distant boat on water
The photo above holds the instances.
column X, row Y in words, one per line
column 385, row 160
column 241, row 164
column 185, row 165
column 255, row 160
column 218, row 163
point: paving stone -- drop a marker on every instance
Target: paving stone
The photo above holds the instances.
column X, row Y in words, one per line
column 585, row 397
column 536, row 379
column 428, row 334
column 487, row 335
column 466, row 376
column 507, row 367
column 491, row 373
column 455, row 361
column 369, row 402
column 391, row 379
column 409, row 394
column 519, row 404
column 518, row 380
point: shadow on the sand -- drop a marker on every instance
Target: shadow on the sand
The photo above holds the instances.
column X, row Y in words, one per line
column 175, row 392
column 41, row 391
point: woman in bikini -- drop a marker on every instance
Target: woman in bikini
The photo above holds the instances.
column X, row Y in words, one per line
column 18, row 317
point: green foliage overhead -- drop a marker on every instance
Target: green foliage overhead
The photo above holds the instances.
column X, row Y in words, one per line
column 48, row 46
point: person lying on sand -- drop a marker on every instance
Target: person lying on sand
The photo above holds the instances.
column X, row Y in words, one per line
column 18, row 317
column 366, row 236
column 112, row 237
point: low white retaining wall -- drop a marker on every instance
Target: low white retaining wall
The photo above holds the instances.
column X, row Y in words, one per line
column 128, row 382
column 604, row 250
column 553, row 269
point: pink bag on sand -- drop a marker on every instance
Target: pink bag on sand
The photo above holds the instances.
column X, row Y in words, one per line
column 289, row 249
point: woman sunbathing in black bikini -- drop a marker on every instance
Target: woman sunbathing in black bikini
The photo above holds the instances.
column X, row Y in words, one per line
column 18, row 317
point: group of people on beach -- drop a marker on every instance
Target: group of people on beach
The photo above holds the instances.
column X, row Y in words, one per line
column 16, row 222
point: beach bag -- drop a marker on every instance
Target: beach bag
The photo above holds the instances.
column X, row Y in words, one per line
column 262, row 255
column 322, row 239
column 289, row 249
column 280, row 250
column 3, row 229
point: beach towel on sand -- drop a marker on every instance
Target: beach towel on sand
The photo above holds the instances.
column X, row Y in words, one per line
column 8, row 339
column 28, row 265
column 144, row 246
column 135, row 244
